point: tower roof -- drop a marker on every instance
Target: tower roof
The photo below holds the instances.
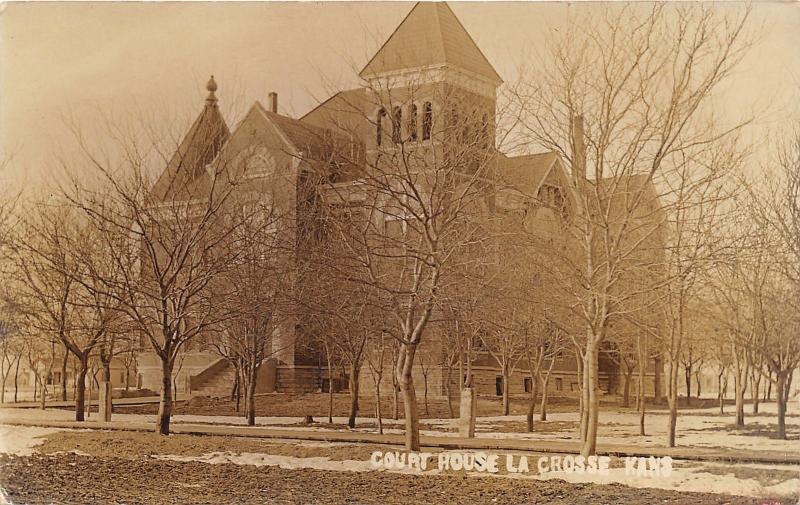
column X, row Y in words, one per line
column 185, row 173
column 430, row 35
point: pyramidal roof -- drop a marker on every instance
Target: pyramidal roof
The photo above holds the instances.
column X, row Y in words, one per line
column 430, row 35
column 185, row 173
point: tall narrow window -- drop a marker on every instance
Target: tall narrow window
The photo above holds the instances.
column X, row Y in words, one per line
column 427, row 121
column 397, row 123
column 412, row 122
column 379, row 126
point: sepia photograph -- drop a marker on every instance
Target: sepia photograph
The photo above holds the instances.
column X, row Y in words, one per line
column 385, row 252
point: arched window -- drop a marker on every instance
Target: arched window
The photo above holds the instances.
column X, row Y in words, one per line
column 379, row 126
column 412, row 122
column 427, row 121
column 397, row 124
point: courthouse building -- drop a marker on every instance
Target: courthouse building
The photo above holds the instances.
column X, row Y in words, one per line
column 428, row 59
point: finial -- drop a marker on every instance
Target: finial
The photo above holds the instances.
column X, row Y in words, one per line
column 211, row 86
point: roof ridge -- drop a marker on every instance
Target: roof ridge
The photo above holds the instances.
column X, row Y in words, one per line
column 469, row 35
column 440, row 40
column 380, row 49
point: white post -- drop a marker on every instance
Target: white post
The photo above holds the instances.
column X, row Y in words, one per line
column 467, row 413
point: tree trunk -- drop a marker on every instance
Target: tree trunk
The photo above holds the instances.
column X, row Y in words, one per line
column 641, row 406
column 592, row 407
column 658, row 364
column 545, row 395
column 672, row 402
column 80, row 390
column 425, row 393
column 165, row 404
column 641, row 356
column 63, row 382
column 355, row 371
column 5, row 376
column 406, row 381
column 626, row 391
column 740, row 384
column 720, row 393
column 782, row 397
column 328, row 360
column 378, row 413
column 448, row 390
column 16, row 379
column 506, row 406
column 239, row 381
column 251, row 394
column 583, row 394
column 697, row 381
column 395, row 399
column 235, row 386
column 768, row 389
column 755, row 388
column 532, row 404
column 687, row 372
column 42, row 392
column 545, row 387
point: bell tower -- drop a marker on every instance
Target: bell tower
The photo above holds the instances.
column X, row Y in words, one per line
column 429, row 80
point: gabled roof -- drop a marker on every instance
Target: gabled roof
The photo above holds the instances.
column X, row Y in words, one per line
column 185, row 175
column 344, row 113
column 430, row 35
column 309, row 140
column 526, row 173
column 317, row 146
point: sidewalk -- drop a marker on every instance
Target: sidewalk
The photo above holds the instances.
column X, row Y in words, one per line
column 450, row 443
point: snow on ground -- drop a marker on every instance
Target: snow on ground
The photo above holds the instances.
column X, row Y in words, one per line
column 690, row 479
column 286, row 462
column 20, row 440
column 695, row 478
column 696, row 428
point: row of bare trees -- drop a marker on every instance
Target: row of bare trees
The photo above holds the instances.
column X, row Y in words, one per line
column 418, row 243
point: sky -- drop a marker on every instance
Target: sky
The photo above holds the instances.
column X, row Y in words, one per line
column 74, row 59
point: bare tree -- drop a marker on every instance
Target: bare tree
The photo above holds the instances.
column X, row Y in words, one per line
column 640, row 81
column 413, row 197
column 48, row 265
column 776, row 222
column 167, row 237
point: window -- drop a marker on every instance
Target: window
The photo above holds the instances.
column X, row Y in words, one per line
column 379, row 126
column 498, row 385
column 397, row 123
column 427, row 121
column 552, row 196
column 527, row 384
column 412, row 122
column 559, row 384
